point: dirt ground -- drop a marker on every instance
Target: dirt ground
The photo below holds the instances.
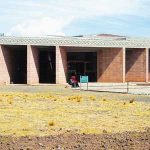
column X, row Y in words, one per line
column 57, row 117
column 71, row 141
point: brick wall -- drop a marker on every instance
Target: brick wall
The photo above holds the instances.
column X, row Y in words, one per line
column 61, row 65
column 136, row 65
column 110, row 65
column 32, row 65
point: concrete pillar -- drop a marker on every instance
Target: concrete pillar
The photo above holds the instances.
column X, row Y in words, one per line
column 124, row 64
column 147, row 64
column 61, row 65
column 4, row 65
column 32, row 65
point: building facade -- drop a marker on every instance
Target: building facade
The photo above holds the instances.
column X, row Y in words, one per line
column 28, row 60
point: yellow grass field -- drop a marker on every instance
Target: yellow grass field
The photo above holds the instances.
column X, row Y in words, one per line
column 23, row 114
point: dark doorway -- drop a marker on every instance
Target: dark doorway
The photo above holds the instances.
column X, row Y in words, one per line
column 83, row 63
column 16, row 61
column 47, row 62
column 20, row 67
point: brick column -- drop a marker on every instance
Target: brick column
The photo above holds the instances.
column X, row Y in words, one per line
column 4, row 65
column 124, row 64
column 61, row 65
column 147, row 64
column 32, row 65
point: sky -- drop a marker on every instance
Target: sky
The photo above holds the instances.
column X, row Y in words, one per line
column 75, row 17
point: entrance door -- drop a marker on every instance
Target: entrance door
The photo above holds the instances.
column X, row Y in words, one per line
column 83, row 63
column 75, row 67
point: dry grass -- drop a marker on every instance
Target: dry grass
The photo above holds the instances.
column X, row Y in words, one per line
column 42, row 114
column 51, row 123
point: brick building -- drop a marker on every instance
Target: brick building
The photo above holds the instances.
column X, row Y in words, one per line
column 52, row 59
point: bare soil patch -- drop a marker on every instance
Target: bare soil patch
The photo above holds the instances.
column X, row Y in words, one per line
column 73, row 141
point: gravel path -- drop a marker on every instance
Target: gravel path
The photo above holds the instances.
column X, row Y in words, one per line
column 66, row 90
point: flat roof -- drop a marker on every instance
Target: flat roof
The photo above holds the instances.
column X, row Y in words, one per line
column 91, row 41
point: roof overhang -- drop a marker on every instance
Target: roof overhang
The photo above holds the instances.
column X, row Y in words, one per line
column 76, row 42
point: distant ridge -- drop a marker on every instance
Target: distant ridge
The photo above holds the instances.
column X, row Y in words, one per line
column 109, row 35
column 101, row 35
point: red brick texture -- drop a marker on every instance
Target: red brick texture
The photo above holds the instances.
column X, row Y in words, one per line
column 5, row 65
column 32, row 65
column 135, row 65
column 110, row 65
column 61, row 65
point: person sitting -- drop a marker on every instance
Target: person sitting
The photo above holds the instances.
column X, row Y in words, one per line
column 74, row 81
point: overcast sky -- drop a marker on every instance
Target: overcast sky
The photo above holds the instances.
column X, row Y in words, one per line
column 75, row 17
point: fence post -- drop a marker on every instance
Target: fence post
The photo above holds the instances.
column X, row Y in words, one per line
column 87, row 86
column 127, row 87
